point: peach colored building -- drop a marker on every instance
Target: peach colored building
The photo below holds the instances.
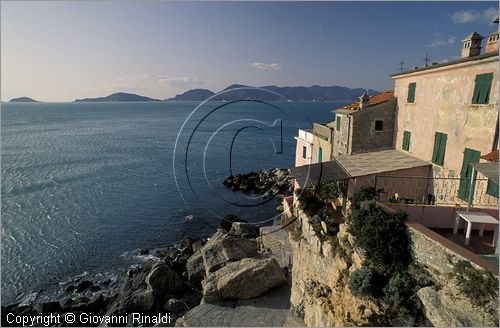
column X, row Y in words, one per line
column 304, row 147
column 448, row 113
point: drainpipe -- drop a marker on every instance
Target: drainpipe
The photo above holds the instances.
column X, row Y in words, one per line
column 349, row 135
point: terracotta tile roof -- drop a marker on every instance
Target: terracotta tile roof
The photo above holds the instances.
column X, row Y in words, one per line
column 374, row 100
column 492, row 157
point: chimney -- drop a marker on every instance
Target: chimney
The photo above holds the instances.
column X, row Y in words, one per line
column 472, row 45
column 491, row 43
column 364, row 100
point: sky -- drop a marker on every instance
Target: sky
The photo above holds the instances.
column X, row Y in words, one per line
column 63, row 50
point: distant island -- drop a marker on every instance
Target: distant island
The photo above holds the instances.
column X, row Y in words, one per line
column 312, row 93
column 118, row 97
column 23, row 100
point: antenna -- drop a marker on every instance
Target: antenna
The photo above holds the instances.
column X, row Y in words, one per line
column 427, row 59
column 402, row 65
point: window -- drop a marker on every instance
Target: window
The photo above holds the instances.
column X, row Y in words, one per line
column 379, row 125
column 482, row 88
column 470, row 156
column 320, row 155
column 439, row 148
column 492, row 188
column 304, row 152
column 406, row 140
column 338, row 123
column 411, row 92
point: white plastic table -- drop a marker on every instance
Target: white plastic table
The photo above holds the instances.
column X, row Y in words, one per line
column 476, row 217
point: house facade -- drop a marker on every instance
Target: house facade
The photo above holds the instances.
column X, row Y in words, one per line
column 303, row 150
column 448, row 113
column 364, row 126
column 322, row 142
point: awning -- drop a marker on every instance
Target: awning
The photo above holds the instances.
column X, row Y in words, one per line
column 325, row 171
column 489, row 170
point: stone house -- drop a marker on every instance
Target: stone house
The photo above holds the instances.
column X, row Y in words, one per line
column 367, row 125
column 447, row 114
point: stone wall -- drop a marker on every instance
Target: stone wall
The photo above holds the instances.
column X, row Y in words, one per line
column 342, row 139
column 364, row 136
column 321, row 296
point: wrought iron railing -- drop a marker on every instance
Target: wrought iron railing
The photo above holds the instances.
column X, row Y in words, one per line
column 434, row 191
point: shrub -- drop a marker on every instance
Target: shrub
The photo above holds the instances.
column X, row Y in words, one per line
column 365, row 282
column 480, row 286
column 327, row 191
column 399, row 293
column 383, row 236
column 363, row 194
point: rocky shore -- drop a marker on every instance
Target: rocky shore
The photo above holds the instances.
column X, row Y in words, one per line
column 224, row 267
column 271, row 182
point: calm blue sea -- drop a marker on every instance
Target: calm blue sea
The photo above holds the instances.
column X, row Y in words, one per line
column 84, row 184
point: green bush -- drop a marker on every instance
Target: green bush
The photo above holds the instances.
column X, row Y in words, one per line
column 399, row 293
column 366, row 282
column 480, row 286
column 383, row 236
column 327, row 191
column 363, row 194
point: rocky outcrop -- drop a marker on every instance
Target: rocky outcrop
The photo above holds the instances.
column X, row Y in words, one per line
column 447, row 307
column 244, row 279
column 272, row 182
column 245, row 230
column 223, row 248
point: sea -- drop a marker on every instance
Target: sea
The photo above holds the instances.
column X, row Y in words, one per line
column 84, row 186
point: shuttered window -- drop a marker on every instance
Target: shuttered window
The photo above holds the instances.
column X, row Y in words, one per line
column 482, row 88
column 470, row 156
column 439, row 148
column 338, row 123
column 406, row 140
column 304, row 152
column 320, row 155
column 411, row 92
column 492, row 188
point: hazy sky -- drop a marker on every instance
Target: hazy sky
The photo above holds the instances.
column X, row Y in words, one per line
column 59, row 51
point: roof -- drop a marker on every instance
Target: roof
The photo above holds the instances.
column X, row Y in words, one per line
column 374, row 100
column 451, row 62
column 308, row 174
column 378, row 162
column 489, row 170
column 492, row 157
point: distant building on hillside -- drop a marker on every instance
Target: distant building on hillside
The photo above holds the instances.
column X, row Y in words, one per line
column 448, row 113
column 364, row 126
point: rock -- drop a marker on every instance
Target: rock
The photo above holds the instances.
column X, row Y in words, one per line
column 245, row 230
column 195, row 269
column 83, row 285
column 47, row 308
column 224, row 248
column 133, row 271
column 447, row 308
column 175, row 305
column 198, row 245
column 227, row 222
column 163, row 280
column 245, row 279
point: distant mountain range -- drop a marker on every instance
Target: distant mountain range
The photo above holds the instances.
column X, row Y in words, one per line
column 118, row 97
column 313, row 93
column 23, row 99
column 243, row 92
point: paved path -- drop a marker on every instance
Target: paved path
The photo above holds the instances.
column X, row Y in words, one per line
column 269, row 310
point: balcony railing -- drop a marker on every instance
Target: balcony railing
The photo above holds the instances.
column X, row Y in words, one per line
column 434, row 191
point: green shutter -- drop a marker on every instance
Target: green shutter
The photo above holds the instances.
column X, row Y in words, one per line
column 338, row 123
column 482, row 88
column 406, row 140
column 439, row 148
column 492, row 188
column 411, row 92
column 304, row 152
column 320, row 155
column 470, row 156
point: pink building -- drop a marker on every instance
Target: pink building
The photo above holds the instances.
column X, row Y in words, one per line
column 303, row 150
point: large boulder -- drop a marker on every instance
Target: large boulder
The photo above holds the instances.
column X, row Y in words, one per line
column 163, row 280
column 227, row 222
column 195, row 268
column 245, row 230
column 245, row 279
column 224, row 248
